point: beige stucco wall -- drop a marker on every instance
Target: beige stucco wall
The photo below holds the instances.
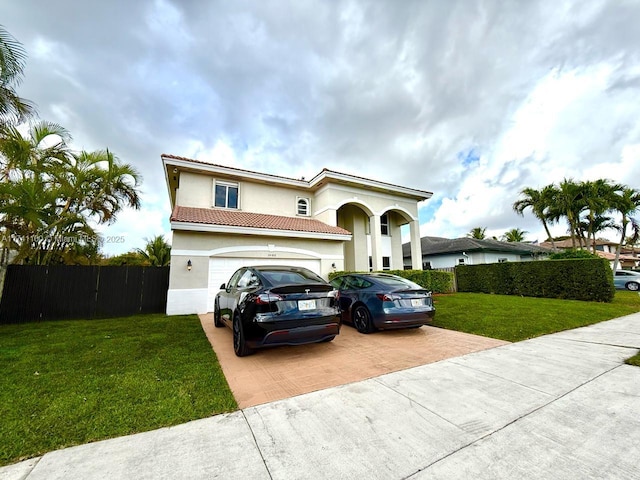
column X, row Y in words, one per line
column 200, row 246
column 273, row 200
column 353, row 219
column 395, row 222
column 333, row 197
column 196, row 190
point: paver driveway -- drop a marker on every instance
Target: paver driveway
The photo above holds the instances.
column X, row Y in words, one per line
column 283, row 372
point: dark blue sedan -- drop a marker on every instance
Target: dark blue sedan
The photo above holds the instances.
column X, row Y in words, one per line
column 372, row 301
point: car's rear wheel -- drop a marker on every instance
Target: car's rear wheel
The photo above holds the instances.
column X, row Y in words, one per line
column 633, row 286
column 361, row 319
column 217, row 320
column 239, row 342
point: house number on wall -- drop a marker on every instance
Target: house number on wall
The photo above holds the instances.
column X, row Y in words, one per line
column 271, row 255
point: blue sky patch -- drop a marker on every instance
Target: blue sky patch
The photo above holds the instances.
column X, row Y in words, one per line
column 469, row 157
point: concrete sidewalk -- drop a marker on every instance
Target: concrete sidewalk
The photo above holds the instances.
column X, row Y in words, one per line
column 559, row 406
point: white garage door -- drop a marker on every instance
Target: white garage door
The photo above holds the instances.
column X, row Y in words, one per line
column 221, row 269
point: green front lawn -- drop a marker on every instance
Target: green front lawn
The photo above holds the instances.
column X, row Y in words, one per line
column 514, row 318
column 71, row 382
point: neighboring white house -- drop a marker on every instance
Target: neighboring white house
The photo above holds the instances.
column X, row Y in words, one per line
column 438, row 252
column 224, row 218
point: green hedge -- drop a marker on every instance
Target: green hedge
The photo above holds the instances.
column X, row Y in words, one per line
column 579, row 279
column 434, row 280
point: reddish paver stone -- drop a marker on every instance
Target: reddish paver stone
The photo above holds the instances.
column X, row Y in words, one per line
column 282, row 372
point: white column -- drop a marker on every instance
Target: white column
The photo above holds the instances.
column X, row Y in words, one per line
column 376, row 243
column 416, row 246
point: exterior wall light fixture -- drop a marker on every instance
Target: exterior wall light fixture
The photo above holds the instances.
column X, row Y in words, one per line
column 189, row 265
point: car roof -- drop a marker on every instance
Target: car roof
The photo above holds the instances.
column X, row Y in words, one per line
column 288, row 268
column 370, row 274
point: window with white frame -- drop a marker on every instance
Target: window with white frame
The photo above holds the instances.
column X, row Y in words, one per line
column 386, row 263
column 461, row 261
column 226, row 195
column 384, row 224
column 502, row 260
column 302, row 206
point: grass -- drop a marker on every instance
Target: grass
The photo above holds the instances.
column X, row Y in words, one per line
column 514, row 318
column 71, row 382
column 635, row 360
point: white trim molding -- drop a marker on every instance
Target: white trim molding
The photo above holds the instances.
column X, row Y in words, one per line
column 203, row 227
column 254, row 248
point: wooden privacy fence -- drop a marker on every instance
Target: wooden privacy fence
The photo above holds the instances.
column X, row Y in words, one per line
column 33, row 293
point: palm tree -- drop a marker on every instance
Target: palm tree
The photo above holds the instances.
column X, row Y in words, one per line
column 539, row 201
column 49, row 195
column 157, row 252
column 597, row 197
column 12, row 63
column 567, row 202
column 478, row 233
column 626, row 202
column 514, row 235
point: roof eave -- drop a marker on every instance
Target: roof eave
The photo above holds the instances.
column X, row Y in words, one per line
column 209, row 228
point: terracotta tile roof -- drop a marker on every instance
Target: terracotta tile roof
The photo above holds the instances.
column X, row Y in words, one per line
column 234, row 218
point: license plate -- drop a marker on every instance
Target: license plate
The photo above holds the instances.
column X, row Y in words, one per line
column 416, row 302
column 306, row 304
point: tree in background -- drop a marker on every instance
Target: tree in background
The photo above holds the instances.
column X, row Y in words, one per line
column 129, row 258
column 50, row 195
column 626, row 202
column 539, row 201
column 514, row 235
column 13, row 109
column 157, row 252
column 478, row 233
column 585, row 207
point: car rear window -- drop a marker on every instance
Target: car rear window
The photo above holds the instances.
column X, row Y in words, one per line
column 397, row 283
column 279, row 277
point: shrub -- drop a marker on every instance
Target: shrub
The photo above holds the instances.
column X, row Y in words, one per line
column 434, row 280
column 572, row 253
column 588, row 279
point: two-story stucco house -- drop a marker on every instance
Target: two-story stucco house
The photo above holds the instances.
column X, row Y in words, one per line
column 223, row 218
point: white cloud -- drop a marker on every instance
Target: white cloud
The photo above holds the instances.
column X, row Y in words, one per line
column 405, row 92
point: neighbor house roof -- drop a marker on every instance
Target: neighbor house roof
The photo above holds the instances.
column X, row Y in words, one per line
column 440, row 245
column 569, row 244
column 234, row 218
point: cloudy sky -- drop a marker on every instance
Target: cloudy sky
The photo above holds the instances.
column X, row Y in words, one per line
column 471, row 100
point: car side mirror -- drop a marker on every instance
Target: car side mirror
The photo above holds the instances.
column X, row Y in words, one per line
column 223, row 286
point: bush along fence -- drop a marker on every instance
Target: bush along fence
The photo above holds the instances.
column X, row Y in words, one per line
column 34, row 293
column 434, row 280
column 578, row 279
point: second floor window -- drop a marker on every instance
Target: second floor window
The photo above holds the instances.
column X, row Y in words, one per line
column 226, row 195
column 384, row 224
column 303, row 206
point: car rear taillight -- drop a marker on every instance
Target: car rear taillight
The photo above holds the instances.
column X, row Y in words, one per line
column 385, row 297
column 266, row 298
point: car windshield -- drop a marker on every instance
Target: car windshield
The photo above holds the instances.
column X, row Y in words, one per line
column 396, row 283
column 284, row 277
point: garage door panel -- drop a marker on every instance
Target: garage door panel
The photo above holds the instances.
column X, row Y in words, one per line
column 221, row 269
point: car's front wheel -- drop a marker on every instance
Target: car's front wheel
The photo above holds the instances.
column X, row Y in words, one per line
column 633, row 286
column 362, row 319
column 217, row 315
column 239, row 342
